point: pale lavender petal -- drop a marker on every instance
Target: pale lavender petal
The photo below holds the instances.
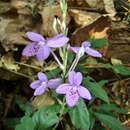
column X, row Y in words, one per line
column 29, row 50
column 78, row 78
column 75, row 78
column 72, row 99
column 71, row 77
column 35, row 84
column 92, row 52
column 40, row 90
column 86, row 44
column 63, row 89
column 75, row 49
column 57, row 41
column 35, row 36
column 84, row 93
column 54, row 83
column 42, row 76
column 43, row 52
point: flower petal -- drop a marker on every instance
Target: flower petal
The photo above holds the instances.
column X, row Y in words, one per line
column 84, row 93
column 40, row 90
column 54, row 83
column 71, row 77
column 35, row 84
column 63, row 89
column 43, row 52
column 35, row 36
column 75, row 49
column 42, row 76
column 57, row 41
column 29, row 50
column 86, row 44
column 72, row 99
column 78, row 78
column 92, row 52
column 75, row 78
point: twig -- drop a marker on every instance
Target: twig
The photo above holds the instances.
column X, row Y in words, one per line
column 18, row 73
column 30, row 66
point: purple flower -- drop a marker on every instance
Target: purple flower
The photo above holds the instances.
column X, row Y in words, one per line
column 43, row 83
column 73, row 89
column 86, row 48
column 41, row 46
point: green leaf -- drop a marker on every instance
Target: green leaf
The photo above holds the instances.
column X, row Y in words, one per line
column 111, row 107
column 102, row 82
column 26, row 124
column 79, row 116
column 96, row 88
column 92, row 119
column 46, row 116
column 53, row 73
column 71, row 57
column 26, row 107
column 97, row 43
column 120, row 69
column 109, row 121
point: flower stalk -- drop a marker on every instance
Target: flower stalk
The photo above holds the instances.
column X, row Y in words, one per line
column 57, row 60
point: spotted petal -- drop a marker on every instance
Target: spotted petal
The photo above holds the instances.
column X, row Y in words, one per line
column 42, row 76
column 72, row 99
column 63, row 89
column 29, row 50
column 57, row 41
column 84, row 93
column 43, row 52
column 35, row 84
column 35, row 37
column 92, row 52
column 54, row 83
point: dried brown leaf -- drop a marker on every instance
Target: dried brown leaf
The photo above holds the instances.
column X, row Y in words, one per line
column 95, row 4
column 8, row 62
column 115, row 61
column 50, row 66
column 82, row 17
column 97, row 29
column 18, row 4
column 4, row 7
column 43, row 100
column 109, row 7
column 48, row 14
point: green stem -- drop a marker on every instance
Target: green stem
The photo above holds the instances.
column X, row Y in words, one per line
column 61, row 113
column 65, row 60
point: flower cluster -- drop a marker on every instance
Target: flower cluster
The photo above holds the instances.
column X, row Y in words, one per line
column 41, row 48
